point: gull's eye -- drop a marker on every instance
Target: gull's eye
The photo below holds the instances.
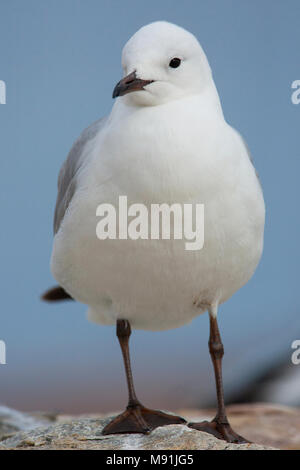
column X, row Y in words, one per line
column 174, row 63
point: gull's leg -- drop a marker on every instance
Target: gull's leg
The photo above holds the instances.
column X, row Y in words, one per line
column 136, row 418
column 219, row 426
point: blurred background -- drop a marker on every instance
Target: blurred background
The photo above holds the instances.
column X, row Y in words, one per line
column 60, row 60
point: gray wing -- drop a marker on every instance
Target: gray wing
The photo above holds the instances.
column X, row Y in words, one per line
column 67, row 181
column 250, row 158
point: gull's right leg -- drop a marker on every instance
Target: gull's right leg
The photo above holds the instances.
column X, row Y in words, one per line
column 136, row 418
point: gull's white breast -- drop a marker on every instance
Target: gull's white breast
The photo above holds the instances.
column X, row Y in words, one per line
column 181, row 152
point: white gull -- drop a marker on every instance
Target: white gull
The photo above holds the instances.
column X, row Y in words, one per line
column 165, row 141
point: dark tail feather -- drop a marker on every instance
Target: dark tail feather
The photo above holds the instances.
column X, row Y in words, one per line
column 56, row 294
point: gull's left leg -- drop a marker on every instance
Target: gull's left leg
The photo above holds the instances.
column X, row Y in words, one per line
column 219, row 426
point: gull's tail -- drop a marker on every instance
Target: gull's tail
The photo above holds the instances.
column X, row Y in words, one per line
column 56, row 294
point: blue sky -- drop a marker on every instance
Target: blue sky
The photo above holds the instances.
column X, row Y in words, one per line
column 60, row 61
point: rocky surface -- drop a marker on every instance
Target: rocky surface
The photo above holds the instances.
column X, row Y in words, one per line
column 12, row 421
column 85, row 433
column 266, row 424
column 269, row 426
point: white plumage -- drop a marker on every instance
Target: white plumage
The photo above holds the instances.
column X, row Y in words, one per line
column 168, row 143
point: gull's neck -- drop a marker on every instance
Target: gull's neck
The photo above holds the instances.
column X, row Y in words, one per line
column 206, row 103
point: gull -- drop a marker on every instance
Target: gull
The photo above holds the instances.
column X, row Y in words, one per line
column 165, row 141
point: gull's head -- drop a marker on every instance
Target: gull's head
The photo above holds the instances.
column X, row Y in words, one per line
column 162, row 62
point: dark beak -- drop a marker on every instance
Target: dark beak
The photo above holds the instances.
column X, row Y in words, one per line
column 129, row 84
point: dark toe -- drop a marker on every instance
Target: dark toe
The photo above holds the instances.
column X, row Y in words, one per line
column 220, row 431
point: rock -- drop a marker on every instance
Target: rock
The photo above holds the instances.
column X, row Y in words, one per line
column 269, row 426
column 86, row 433
column 266, row 424
column 12, row 421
